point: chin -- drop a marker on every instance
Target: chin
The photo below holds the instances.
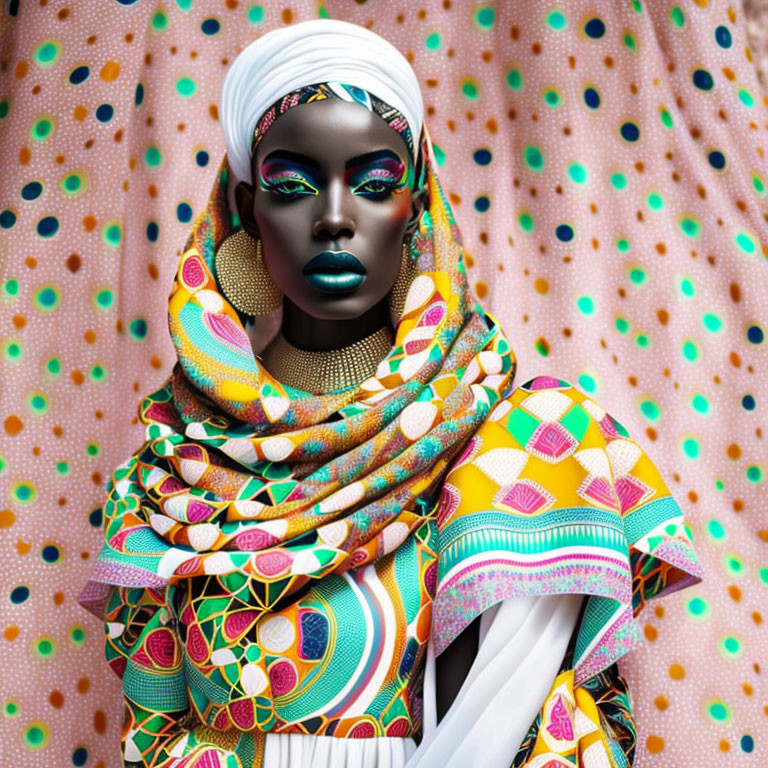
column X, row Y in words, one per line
column 337, row 307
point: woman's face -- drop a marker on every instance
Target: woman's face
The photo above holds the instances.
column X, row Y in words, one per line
column 330, row 200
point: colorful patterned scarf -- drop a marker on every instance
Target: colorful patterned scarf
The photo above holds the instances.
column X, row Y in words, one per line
column 241, row 473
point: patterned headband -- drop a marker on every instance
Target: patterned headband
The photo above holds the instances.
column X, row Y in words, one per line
column 333, row 90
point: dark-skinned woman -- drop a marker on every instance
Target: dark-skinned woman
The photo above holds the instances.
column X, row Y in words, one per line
column 349, row 540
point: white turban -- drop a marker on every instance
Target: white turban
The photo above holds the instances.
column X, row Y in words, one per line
column 318, row 51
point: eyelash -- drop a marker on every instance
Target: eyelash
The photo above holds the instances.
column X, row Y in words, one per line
column 303, row 188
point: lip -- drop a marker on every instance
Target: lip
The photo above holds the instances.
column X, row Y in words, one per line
column 334, row 272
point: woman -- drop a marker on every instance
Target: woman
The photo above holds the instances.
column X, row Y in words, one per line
column 356, row 535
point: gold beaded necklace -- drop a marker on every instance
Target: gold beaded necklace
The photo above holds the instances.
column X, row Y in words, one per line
column 328, row 370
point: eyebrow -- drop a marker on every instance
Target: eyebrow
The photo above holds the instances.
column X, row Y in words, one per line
column 365, row 159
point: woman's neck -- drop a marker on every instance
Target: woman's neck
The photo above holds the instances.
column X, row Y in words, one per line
column 307, row 332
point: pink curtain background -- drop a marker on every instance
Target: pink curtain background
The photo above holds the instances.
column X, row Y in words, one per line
column 607, row 166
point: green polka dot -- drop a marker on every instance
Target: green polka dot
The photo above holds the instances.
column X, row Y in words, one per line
column 433, row 41
column 719, row 485
column 515, row 79
column 47, row 298
column 23, row 492
column 112, row 234
column 754, row 473
column 578, row 173
column 53, row 366
column 185, row 5
column 38, row 403
column 45, row 647
column 650, row 410
column 587, row 383
column 712, row 322
column 485, row 17
column 552, row 98
column 185, row 87
column 686, row 287
column 677, row 16
column 637, row 275
column 690, row 350
column 729, row 646
column 92, row 449
column 637, row 6
column 622, row 325
column 525, row 220
column 666, row 118
column 541, row 348
column 759, row 185
column 718, row 711
column 691, row 448
column 77, row 635
column 618, row 181
column 733, row 565
column 62, row 468
column 533, row 158
column 642, row 340
column 586, row 304
column 655, row 201
column 630, row 42
column 11, row 287
column 47, row 53
column 74, row 184
column 716, row 530
column 12, row 350
column 104, row 299
column 159, row 21
column 11, row 709
column 746, row 243
column 138, row 328
column 439, row 154
column 746, row 98
column 3, row 108
column 690, row 227
column 42, row 128
column 98, row 373
column 700, row 403
column 255, row 14
column 698, row 608
column 557, row 20
column 36, row 735
column 622, row 244
column 469, row 88
column 763, row 574
column 152, row 156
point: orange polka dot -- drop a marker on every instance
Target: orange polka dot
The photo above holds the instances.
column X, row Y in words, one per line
column 540, row 285
column 651, row 633
column 734, row 593
column 724, row 745
column 24, row 155
column 80, row 113
column 99, row 721
column 110, row 71
column 58, row 598
column 83, row 685
column 57, row 699
column 661, row 703
column 11, row 633
column 23, row 547
column 481, row 289
column 7, row 518
column 89, row 222
column 90, row 336
column 21, row 70
column 733, row 451
column 655, row 744
column 13, row 425
column 676, row 672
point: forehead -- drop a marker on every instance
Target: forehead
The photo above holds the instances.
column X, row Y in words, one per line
column 331, row 130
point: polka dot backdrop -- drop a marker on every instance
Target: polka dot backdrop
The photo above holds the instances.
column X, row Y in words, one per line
column 608, row 172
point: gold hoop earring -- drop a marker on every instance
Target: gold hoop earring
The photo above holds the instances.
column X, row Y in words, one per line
column 243, row 278
column 407, row 274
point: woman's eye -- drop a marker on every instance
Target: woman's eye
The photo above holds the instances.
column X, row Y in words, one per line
column 376, row 188
column 291, row 188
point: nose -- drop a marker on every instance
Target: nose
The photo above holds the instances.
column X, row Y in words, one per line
column 335, row 219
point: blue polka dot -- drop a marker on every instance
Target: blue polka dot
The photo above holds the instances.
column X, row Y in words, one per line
column 184, row 212
column 595, row 28
column 591, row 98
column 153, row 231
column 19, row 594
column 202, row 158
column 630, row 132
column 7, row 219
column 80, row 757
column 104, row 113
column 755, row 334
column 210, row 26
column 716, row 159
column 703, row 80
column 747, row 743
column 47, row 226
column 564, row 233
column 139, row 98
column 51, row 553
column 96, row 517
column 79, row 75
column 748, row 403
column 482, row 204
column 723, row 36
column 482, row 156
column 32, row 191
